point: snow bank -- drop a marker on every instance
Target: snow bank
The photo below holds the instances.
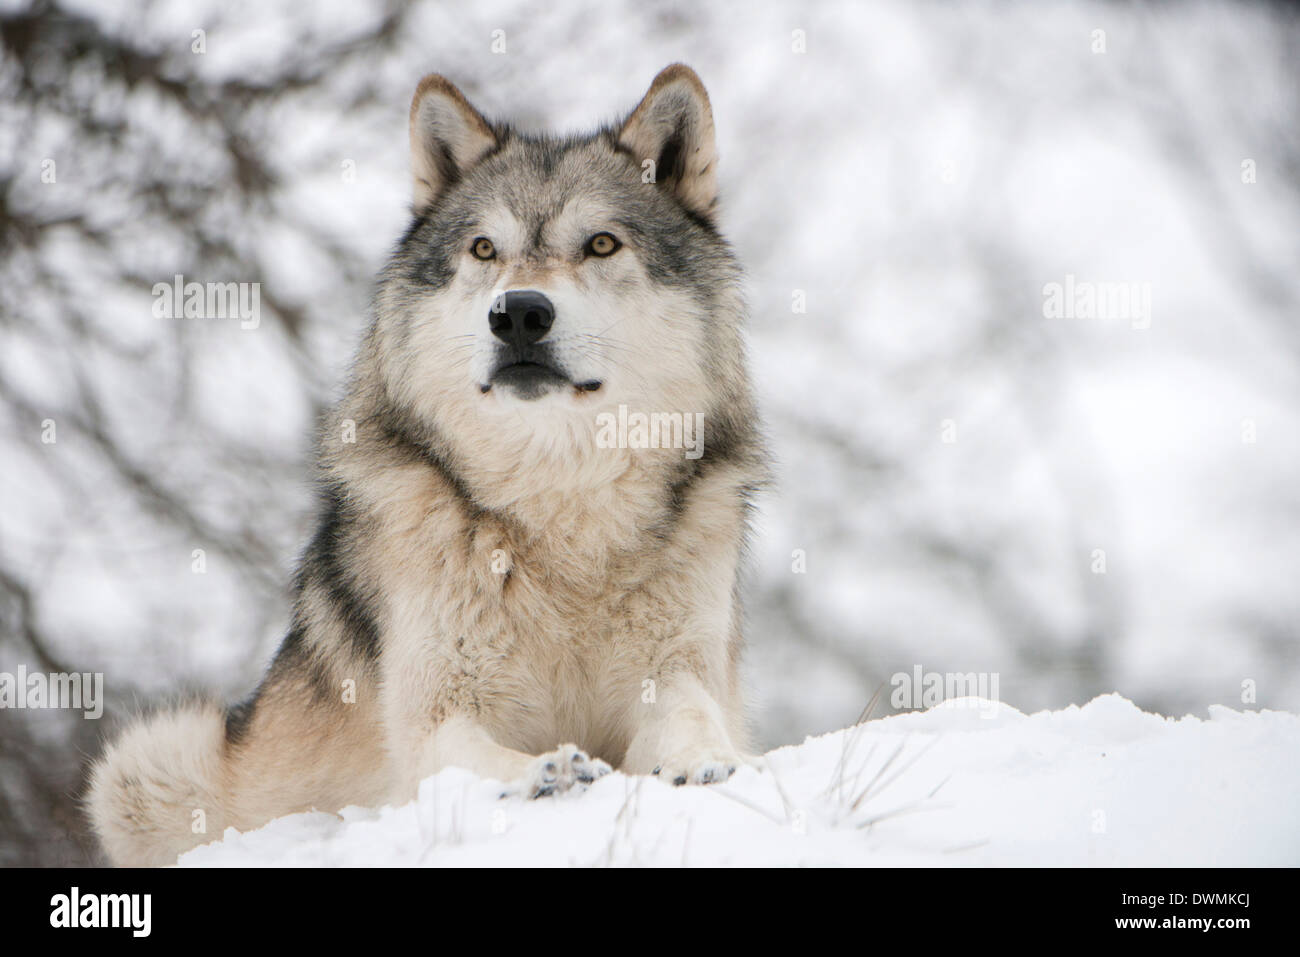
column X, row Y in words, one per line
column 970, row 782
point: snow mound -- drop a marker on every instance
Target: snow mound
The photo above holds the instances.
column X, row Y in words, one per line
column 970, row 782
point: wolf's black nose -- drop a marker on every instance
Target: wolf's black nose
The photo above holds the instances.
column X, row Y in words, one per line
column 521, row 317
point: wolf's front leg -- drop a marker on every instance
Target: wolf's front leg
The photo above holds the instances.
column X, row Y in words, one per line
column 683, row 737
column 461, row 742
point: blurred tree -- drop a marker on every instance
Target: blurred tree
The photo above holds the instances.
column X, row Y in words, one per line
column 124, row 162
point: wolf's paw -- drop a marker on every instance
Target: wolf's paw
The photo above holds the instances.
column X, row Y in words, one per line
column 559, row 771
column 707, row 767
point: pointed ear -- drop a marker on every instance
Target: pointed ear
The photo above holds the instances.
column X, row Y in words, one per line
column 448, row 136
column 673, row 126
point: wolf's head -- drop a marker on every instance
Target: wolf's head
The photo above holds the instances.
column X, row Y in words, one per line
column 547, row 280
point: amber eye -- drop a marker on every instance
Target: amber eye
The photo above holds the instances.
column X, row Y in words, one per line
column 483, row 248
column 603, row 244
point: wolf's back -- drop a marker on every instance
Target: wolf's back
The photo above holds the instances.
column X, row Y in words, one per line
column 145, row 790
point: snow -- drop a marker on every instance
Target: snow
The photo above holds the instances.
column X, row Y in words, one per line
column 968, row 783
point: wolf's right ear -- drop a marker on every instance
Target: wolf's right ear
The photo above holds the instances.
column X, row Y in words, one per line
column 672, row 128
column 448, row 136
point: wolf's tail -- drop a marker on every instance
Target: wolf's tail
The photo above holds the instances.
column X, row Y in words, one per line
column 161, row 788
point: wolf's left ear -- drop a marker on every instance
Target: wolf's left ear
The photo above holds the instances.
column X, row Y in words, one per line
column 673, row 127
column 448, row 136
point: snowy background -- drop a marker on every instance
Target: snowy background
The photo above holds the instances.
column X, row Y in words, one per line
column 1077, row 505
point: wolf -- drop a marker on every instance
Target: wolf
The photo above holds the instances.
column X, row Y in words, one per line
column 489, row 587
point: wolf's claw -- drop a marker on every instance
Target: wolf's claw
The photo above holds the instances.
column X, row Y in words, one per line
column 705, row 769
column 558, row 771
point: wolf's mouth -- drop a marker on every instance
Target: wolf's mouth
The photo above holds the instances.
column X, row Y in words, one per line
column 532, row 377
column 527, row 372
column 526, row 379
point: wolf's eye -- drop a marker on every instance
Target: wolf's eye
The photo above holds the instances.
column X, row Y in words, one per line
column 483, row 248
column 603, row 244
